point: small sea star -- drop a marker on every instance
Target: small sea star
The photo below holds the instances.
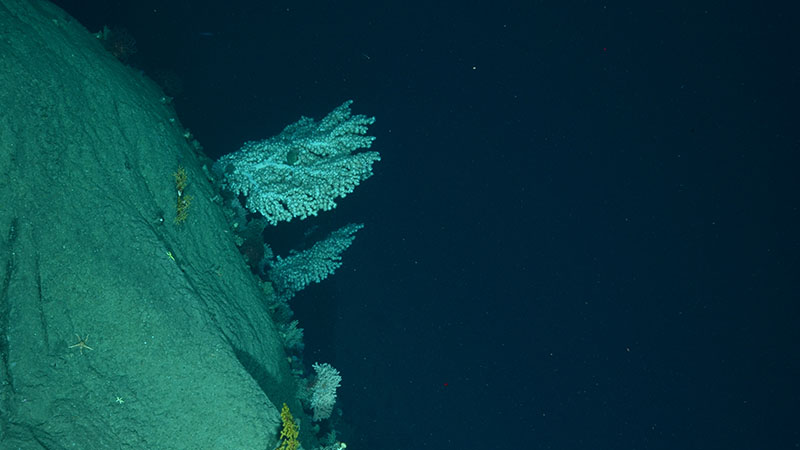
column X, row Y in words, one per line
column 81, row 344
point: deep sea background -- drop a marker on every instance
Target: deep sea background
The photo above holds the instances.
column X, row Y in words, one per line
column 583, row 231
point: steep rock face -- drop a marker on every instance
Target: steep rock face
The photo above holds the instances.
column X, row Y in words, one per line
column 120, row 328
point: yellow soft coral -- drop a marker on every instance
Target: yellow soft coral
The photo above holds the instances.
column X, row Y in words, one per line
column 182, row 207
column 289, row 432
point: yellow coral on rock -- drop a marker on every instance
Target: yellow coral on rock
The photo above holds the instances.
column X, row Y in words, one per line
column 290, row 431
column 182, row 206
